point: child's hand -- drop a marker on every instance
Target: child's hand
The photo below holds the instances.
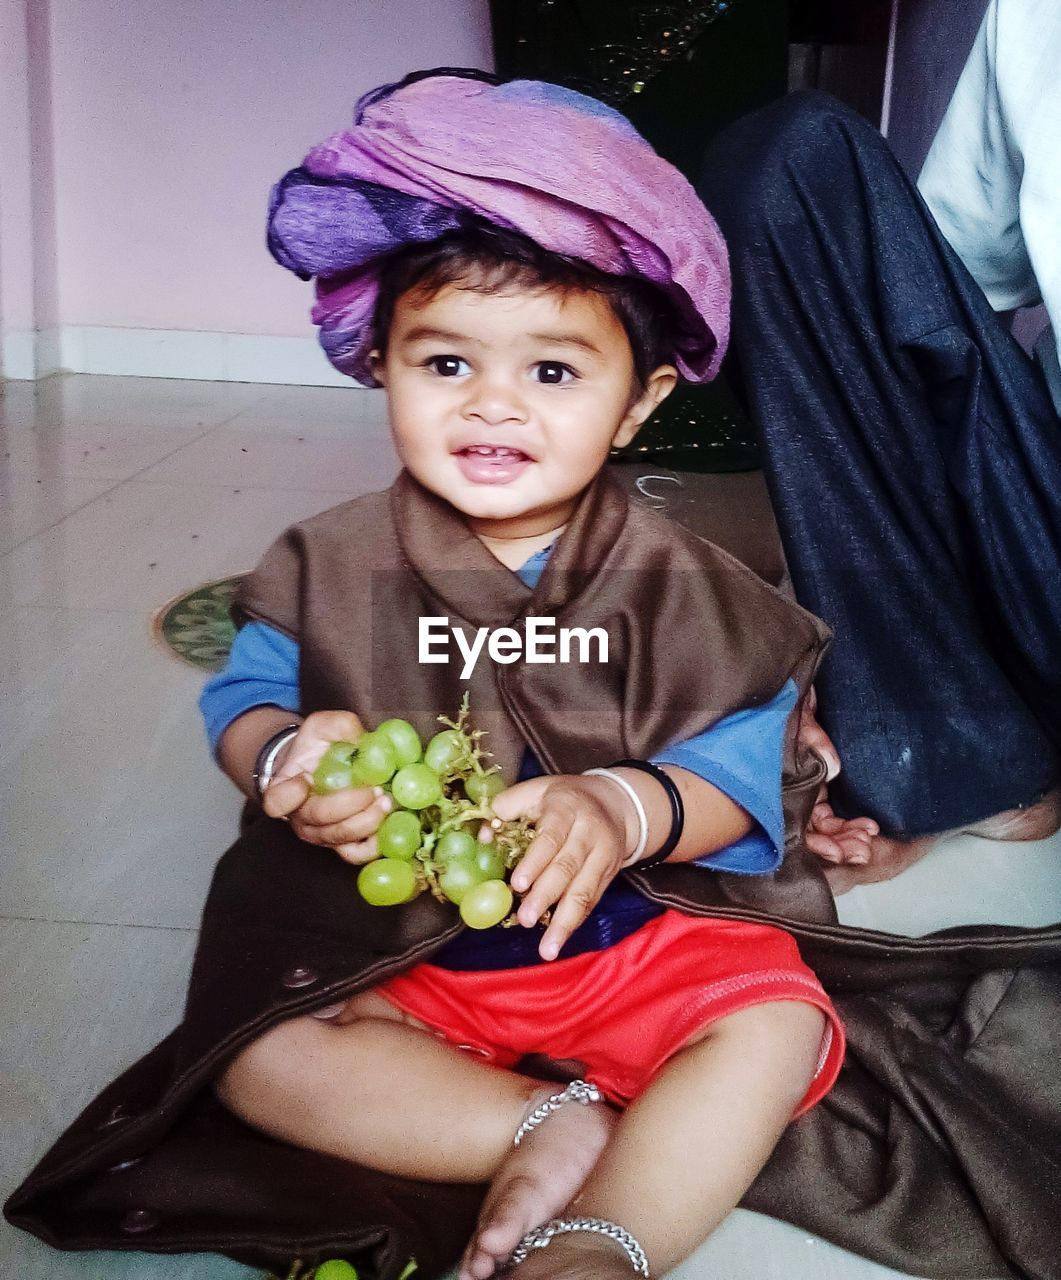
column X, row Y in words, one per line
column 578, row 848
column 345, row 821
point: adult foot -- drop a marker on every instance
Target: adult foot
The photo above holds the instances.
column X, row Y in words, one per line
column 880, row 857
column 538, row 1179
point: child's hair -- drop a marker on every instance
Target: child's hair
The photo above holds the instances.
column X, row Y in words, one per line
column 489, row 259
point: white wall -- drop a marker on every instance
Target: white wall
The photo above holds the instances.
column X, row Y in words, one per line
column 167, row 121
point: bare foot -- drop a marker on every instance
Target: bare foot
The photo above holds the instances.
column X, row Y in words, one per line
column 579, row 1256
column 539, row 1179
column 882, row 858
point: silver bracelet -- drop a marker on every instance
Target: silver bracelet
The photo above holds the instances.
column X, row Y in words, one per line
column 577, row 1091
column 642, row 817
column 544, row 1235
column 267, row 757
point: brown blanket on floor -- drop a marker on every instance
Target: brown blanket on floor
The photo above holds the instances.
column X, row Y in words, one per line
column 936, row 1152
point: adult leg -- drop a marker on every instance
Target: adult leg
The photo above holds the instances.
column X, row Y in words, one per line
column 914, row 462
column 685, row 1152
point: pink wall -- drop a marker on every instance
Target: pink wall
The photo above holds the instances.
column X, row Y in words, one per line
column 172, row 118
column 16, row 210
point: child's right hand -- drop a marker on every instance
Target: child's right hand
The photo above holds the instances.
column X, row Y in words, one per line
column 345, row 821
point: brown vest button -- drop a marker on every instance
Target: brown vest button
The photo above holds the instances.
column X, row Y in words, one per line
column 299, row 977
column 137, row 1220
column 117, row 1115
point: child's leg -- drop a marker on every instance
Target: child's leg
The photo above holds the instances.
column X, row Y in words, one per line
column 682, row 1155
column 378, row 1088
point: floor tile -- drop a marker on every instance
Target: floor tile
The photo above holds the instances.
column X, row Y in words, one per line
column 31, row 503
column 354, row 458
column 80, row 400
column 141, row 544
column 102, row 452
column 109, row 428
column 80, row 1013
column 314, row 411
column 964, row 880
column 110, row 806
column 748, row 1246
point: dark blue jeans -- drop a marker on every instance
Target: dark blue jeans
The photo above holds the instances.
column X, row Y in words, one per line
column 914, row 461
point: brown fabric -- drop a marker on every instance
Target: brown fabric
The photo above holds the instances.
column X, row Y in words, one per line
column 936, row 1151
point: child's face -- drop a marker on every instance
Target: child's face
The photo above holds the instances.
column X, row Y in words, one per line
column 506, row 404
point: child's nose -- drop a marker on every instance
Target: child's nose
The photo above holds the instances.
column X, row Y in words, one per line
column 495, row 401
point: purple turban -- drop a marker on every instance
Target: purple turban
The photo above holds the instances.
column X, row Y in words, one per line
column 441, row 151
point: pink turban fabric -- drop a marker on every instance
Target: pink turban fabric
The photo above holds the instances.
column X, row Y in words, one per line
column 443, row 150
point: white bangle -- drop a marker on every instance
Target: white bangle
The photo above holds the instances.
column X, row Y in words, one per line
column 642, row 817
column 263, row 772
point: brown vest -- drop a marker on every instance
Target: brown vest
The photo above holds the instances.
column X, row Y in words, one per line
column 693, row 634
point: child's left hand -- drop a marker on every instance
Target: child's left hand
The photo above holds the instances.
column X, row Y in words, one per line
column 579, row 847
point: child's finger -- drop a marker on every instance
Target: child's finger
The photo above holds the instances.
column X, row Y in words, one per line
column 358, row 827
column 357, row 852
column 577, row 901
column 284, row 795
column 549, row 838
column 556, row 879
column 523, row 799
column 338, row 806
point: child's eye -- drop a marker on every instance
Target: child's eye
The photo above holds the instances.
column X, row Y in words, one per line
column 448, row 366
column 551, row 373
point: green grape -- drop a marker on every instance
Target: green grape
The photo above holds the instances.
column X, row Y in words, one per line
column 375, row 760
column 443, row 750
column 339, row 753
column 458, row 878
column 336, row 777
column 404, row 739
column 399, row 835
column 334, row 772
column 385, row 882
column 486, row 904
column 489, row 861
column 454, row 844
column 482, row 787
column 335, row 1269
column 415, row 786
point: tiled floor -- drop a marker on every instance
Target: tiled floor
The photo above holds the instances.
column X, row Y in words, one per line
column 116, row 494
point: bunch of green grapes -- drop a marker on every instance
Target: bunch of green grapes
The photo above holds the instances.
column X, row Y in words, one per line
column 442, row 795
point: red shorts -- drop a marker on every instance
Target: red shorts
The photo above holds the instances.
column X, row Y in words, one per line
column 624, row 1011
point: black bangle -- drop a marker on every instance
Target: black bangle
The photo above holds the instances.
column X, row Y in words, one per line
column 677, row 811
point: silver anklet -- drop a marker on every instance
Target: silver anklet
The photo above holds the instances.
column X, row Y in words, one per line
column 546, row 1234
column 577, row 1091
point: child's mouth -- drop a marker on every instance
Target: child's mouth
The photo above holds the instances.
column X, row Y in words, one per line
column 491, row 464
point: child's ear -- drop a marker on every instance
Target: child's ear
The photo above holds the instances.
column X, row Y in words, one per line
column 658, row 386
column 376, row 365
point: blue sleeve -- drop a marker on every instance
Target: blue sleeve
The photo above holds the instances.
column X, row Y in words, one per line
column 262, row 670
column 741, row 755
